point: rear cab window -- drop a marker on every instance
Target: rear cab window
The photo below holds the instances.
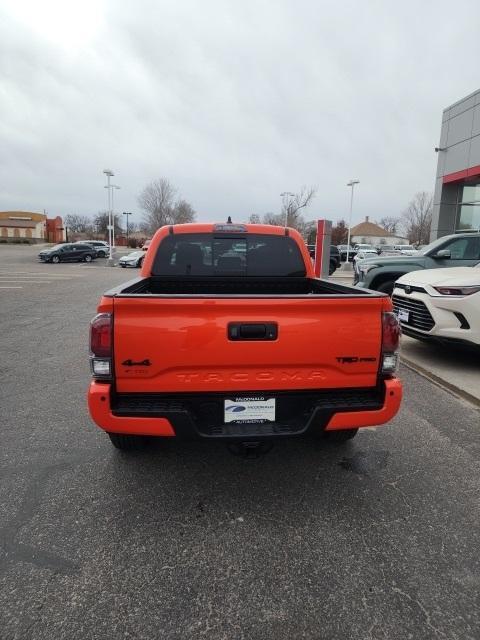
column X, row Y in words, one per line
column 208, row 254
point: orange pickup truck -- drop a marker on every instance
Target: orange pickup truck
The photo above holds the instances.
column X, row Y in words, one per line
column 227, row 334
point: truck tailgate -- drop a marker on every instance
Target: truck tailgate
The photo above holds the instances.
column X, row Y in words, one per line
column 182, row 344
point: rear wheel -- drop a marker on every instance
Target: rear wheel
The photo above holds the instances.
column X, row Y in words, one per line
column 126, row 442
column 139, row 263
column 88, row 258
column 56, row 259
column 387, row 287
column 332, row 267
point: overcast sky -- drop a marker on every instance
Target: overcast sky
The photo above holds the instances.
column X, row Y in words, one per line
column 232, row 101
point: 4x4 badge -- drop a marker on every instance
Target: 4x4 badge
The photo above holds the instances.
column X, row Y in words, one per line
column 142, row 363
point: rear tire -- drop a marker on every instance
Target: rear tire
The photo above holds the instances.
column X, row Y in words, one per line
column 55, row 259
column 332, row 267
column 139, row 263
column 88, row 258
column 126, row 442
column 387, row 287
column 340, row 436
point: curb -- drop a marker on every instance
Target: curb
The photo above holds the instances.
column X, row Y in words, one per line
column 440, row 382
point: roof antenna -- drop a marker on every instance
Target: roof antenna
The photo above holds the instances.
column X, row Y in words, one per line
column 229, row 221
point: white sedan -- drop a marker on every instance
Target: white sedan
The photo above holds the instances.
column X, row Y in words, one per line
column 134, row 259
column 440, row 304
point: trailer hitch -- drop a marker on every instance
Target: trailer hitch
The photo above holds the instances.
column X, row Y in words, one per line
column 250, row 450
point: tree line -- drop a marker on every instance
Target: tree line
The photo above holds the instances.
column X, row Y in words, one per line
column 159, row 202
column 162, row 205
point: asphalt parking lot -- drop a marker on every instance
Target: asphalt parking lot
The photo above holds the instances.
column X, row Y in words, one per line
column 378, row 539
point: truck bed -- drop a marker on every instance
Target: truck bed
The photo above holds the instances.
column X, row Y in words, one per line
column 237, row 287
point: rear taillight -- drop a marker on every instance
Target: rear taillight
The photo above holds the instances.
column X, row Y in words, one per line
column 390, row 342
column 101, row 345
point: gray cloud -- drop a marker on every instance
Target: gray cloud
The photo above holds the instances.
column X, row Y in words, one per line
column 232, row 102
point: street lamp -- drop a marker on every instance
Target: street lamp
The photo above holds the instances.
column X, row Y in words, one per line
column 113, row 186
column 109, row 173
column 351, row 184
column 127, row 213
column 285, row 195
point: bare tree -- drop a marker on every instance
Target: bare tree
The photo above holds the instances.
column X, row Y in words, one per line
column 273, row 218
column 390, row 223
column 292, row 206
column 254, row 219
column 183, row 212
column 417, row 218
column 101, row 223
column 158, row 201
column 78, row 224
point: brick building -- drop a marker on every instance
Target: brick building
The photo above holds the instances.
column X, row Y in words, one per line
column 30, row 227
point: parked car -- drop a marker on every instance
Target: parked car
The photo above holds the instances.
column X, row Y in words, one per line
column 342, row 248
column 334, row 257
column 134, row 259
column 456, row 250
column 269, row 353
column 364, row 247
column 102, row 248
column 145, row 245
column 66, row 252
column 361, row 255
column 440, row 304
column 406, row 249
column 386, row 249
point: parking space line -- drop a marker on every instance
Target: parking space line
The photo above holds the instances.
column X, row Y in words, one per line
column 11, row 287
column 24, row 281
column 33, row 278
column 40, row 273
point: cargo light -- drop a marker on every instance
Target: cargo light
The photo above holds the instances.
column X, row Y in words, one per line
column 390, row 342
column 457, row 291
column 101, row 345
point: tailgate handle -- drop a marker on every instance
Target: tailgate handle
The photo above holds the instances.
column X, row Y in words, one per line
column 252, row 331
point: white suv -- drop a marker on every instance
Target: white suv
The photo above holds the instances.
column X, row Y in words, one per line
column 102, row 248
column 440, row 304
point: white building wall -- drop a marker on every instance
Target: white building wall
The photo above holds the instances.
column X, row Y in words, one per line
column 374, row 240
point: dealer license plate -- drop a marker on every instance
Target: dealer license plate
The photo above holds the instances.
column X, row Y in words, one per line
column 403, row 315
column 250, row 409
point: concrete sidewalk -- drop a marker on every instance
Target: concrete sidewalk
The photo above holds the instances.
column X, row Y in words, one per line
column 457, row 369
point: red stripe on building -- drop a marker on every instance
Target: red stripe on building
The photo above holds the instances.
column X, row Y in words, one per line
column 472, row 172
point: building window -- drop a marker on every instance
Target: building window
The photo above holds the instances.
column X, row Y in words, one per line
column 468, row 208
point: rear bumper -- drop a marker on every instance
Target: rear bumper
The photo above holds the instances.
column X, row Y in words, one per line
column 438, row 338
column 199, row 416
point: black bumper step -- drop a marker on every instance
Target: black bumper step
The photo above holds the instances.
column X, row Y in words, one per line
column 201, row 415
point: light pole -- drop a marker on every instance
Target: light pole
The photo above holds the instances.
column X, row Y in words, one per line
column 127, row 213
column 351, row 184
column 285, row 195
column 109, row 173
column 112, row 187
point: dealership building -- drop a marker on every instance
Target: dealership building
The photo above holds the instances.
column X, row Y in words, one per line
column 456, row 203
